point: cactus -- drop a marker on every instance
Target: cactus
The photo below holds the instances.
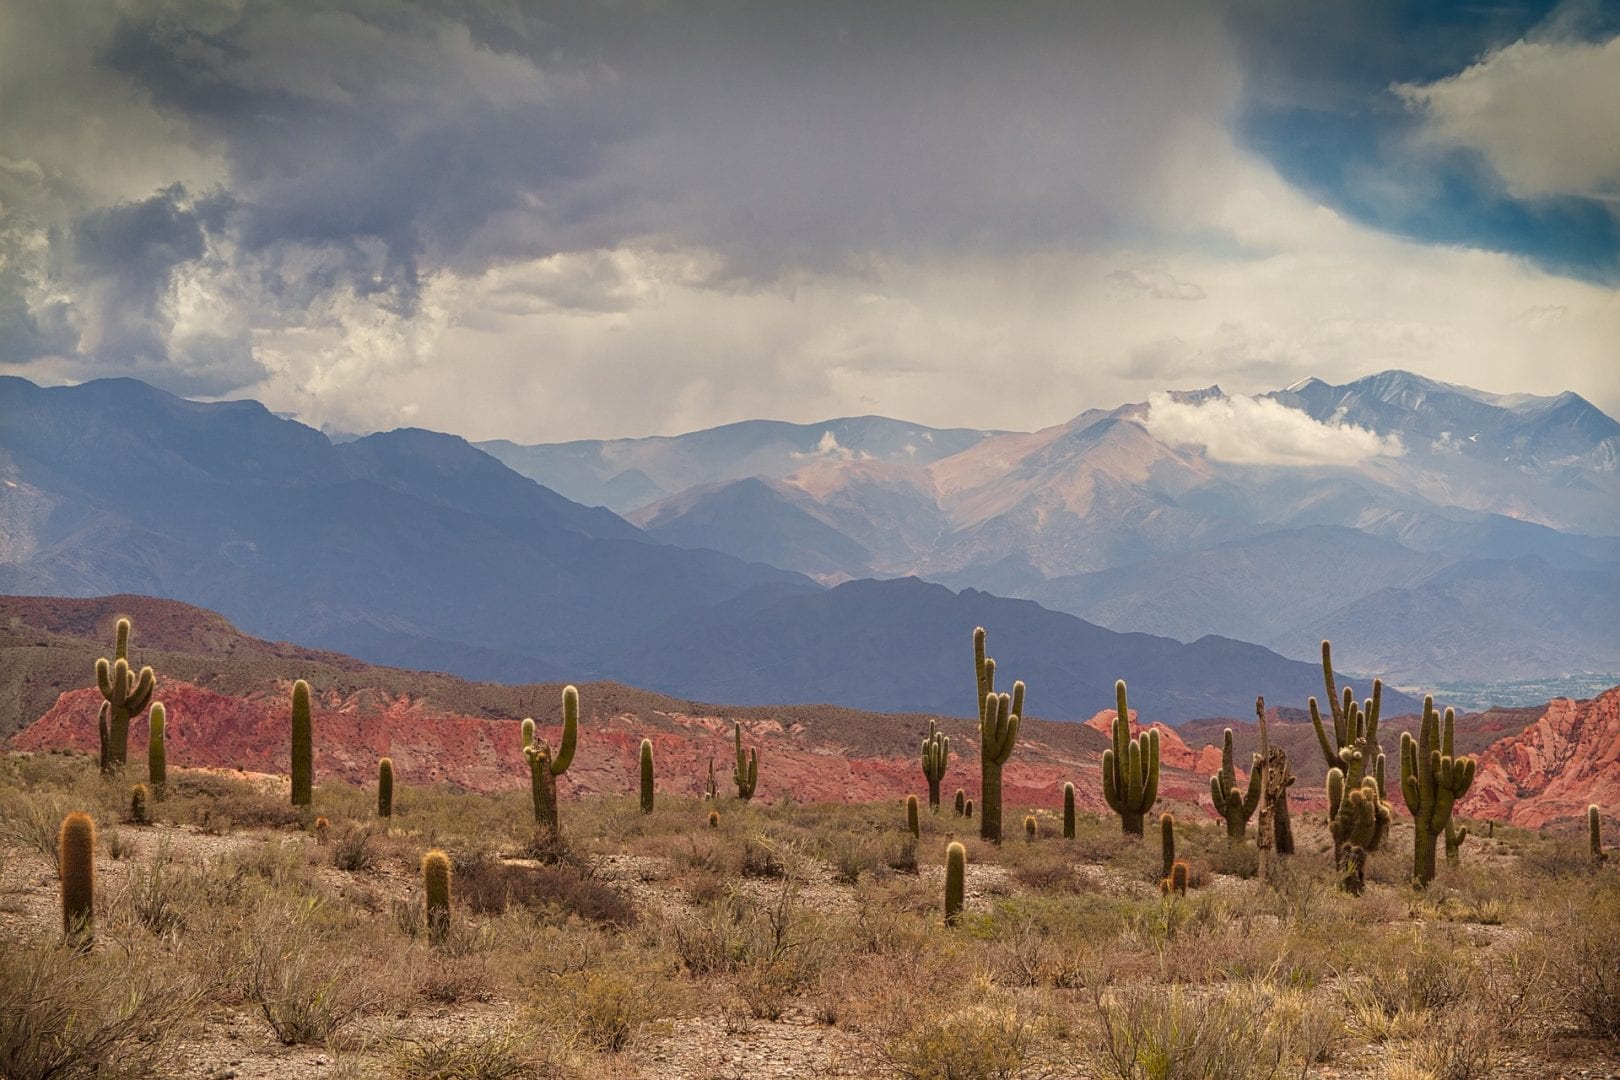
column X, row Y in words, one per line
column 436, row 884
column 77, row 846
column 1031, row 827
column 323, row 830
column 961, row 800
column 1432, row 780
column 1130, row 769
column 157, row 756
column 1455, row 835
column 714, row 819
column 1594, row 834
column 936, row 754
column 137, row 805
column 1359, row 825
column 746, row 774
column 955, row 882
column 127, row 695
column 710, row 790
column 967, row 809
column 385, row 788
column 1354, row 745
column 1167, row 841
column 646, row 776
column 1282, row 825
column 999, row 717
column 913, row 817
column 1068, row 811
column 1236, row 809
column 303, row 746
column 545, row 765
column 1175, row 880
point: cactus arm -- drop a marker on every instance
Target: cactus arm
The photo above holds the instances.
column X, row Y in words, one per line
column 1150, row 790
column 121, row 640
column 1018, row 698
column 104, row 678
column 1110, row 768
column 528, row 732
column 570, row 732
column 141, row 696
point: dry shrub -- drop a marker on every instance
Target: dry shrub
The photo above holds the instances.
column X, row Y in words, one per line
column 354, row 852
column 306, row 985
column 1229, row 1032
column 452, row 980
column 1579, row 935
column 487, row 885
column 106, row 1015
column 1458, row 1044
column 602, row 1009
column 499, row 1055
column 980, row 1042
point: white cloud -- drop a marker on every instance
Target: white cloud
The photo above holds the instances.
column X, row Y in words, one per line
column 1260, row 431
column 1542, row 113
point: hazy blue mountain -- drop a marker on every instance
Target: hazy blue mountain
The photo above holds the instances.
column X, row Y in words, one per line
column 905, row 643
column 402, row 547
column 623, row 474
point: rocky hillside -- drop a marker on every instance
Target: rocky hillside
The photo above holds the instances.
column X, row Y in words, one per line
column 227, row 697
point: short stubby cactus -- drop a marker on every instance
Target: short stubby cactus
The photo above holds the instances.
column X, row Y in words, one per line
column 1175, row 882
column 913, row 817
column 1455, row 835
column 967, row 809
column 1432, row 780
column 545, row 765
column 1031, row 827
column 1068, row 811
column 646, row 776
column 139, row 813
column 746, row 773
column 936, row 754
column 955, row 882
column 303, row 747
column 1167, row 842
column 714, row 819
column 1594, row 834
column 157, row 753
column 961, row 801
column 77, row 848
column 999, row 717
column 126, row 696
column 436, row 886
column 1234, row 807
column 385, row 788
column 1130, row 769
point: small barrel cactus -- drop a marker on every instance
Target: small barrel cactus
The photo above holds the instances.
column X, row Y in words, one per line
column 967, row 809
column 77, row 846
column 436, row 886
column 1031, row 827
column 1175, row 882
column 714, row 819
column 139, row 812
column 955, row 882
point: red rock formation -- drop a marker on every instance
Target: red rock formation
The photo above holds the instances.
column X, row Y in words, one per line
column 1554, row 768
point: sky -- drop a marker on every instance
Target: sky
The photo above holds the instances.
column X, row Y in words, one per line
column 546, row 222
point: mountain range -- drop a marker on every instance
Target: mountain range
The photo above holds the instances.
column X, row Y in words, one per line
column 1472, row 536
column 227, row 695
column 416, row 549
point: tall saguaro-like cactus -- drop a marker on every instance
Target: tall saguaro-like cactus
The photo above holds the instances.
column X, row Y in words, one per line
column 545, row 765
column 999, row 717
column 1353, row 747
column 127, row 695
column 1432, row 780
column 303, row 746
column 1130, row 769
column 1594, row 834
column 646, row 776
column 936, row 754
column 1359, row 822
column 1236, row 809
column 157, row 753
column 746, row 773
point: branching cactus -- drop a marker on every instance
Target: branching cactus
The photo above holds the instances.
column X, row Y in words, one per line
column 127, row 695
column 1068, row 811
column 1432, row 780
column 1167, row 842
column 1236, row 809
column 913, row 817
column 545, row 765
column 157, row 754
column 999, row 717
column 936, row 754
column 436, row 884
column 77, row 845
column 1359, row 824
column 303, row 746
column 646, row 776
column 1353, row 747
column 385, row 788
column 746, row 773
column 1594, row 834
column 1130, row 769
column 955, row 882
